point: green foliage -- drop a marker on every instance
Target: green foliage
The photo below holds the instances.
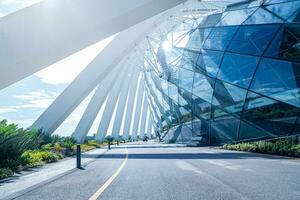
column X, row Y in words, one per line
column 5, row 173
column 109, row 138
column 286, row 147
column 33, row 158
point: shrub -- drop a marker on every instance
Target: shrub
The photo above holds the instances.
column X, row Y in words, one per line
column 286, row 147
column 5, row 173
column 39, row 157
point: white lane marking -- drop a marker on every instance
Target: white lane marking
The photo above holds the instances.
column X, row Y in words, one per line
column 228, row 165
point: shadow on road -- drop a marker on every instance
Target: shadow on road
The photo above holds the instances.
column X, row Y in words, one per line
column 184, row 156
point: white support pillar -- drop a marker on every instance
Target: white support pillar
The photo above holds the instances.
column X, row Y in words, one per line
column 142, row 130
column 91, row 76
column 133, row 79
column 150, row 125
column 110, row 105
column 95, row 104
column 40, row 35
column 137, row 113
column 129, row 115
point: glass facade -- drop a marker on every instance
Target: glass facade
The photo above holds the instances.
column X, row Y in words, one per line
column 236, row 76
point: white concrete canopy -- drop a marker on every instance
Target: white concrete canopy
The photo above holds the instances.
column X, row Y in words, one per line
column 38, row 36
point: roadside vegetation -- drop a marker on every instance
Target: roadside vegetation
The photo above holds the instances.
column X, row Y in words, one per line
column 23, row 148
column 284, row 147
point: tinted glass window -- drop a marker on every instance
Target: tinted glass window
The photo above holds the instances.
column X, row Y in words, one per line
column 211, row 20
column 250, row 131
column 273, row 116
column 252, row 39
column 209, row 62
column 219, row 38
column 223, row 127
column 235, row 17
column 262, row 16
column 286, row 44
column 279, row 80
column 229, row 97
column 186, row 79
column 173, row 92
column 289, row 11
column 203, row 87
column 201, row 108
column 238, row 69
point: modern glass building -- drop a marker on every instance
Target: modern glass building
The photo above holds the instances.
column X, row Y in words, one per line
column 233, row 76
column 202, row 72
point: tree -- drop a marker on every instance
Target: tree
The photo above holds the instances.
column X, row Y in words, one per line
column 109, row 139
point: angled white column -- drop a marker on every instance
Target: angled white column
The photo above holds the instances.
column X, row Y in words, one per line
column 130, row 104
column 40, row 35
column 91, row 76
column 122, row 102
column 137, row 112
column 150, row 124
column 95, row 104
column 110, row 105
column 142, row 130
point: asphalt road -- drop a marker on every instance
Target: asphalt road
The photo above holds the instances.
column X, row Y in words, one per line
column 178, row 173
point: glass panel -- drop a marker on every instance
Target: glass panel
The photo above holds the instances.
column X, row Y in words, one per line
column 209, row 62
column 262, row 16
column 203, row 87
column 252, row 39
column 248, row 131
column 173, row 75
column 196, row 40
column 273, row 116
column 289, row 11
column 211, row 20
column 219, row 38
column 286, row 44
column 201, row 108
column 173, row 92
column 279, row 80
column 297, row 127
column 236, row 17
column 186, row 79
column 229, row 97
column 190, row 56
column 223, row 127
column 238, row 69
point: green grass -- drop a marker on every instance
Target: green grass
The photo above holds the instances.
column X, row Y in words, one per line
column 285, row 147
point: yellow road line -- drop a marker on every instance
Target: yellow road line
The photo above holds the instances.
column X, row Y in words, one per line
column 110, row 180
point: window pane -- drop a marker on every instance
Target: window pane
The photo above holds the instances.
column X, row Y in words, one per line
column 173, row 92
column 186, row 79
column 219, row 38
column 203, row 87
column 236, row 17
column 238, row 69
column 223, row 127
column 286, row 44
column 279, row 80
column 252, row 39
column 273, row 116
column 209, row 62
column 229, row 97
column 262, row 16
column 289, row 11
column 250, row 131
column 211, row 20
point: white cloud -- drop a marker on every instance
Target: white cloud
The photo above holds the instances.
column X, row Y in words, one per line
column 1, row 15
column 64, row 71
column 7, row 110
column 36, row 99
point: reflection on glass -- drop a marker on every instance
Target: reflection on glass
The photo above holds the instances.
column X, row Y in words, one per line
column 286, row 44
column 262, row 16
column 209, row 62
column 273, row 116
column 279, row 80
column 289, row 11
column 229, row 97
column 203, row 87
column 235, row 17
column 238, row 69
column 252, row 39
column 186, row 79
column 220, row 37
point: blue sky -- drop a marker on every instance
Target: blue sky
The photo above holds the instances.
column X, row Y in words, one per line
column 24, row 101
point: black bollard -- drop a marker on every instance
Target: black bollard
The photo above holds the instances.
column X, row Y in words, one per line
column 78, row 156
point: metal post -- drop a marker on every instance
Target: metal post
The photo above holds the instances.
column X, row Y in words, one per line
column 78, row 156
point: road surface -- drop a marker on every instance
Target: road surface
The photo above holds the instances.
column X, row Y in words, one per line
column 148, row 171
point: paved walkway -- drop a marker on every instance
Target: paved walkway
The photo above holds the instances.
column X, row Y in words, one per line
column 31, row 179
